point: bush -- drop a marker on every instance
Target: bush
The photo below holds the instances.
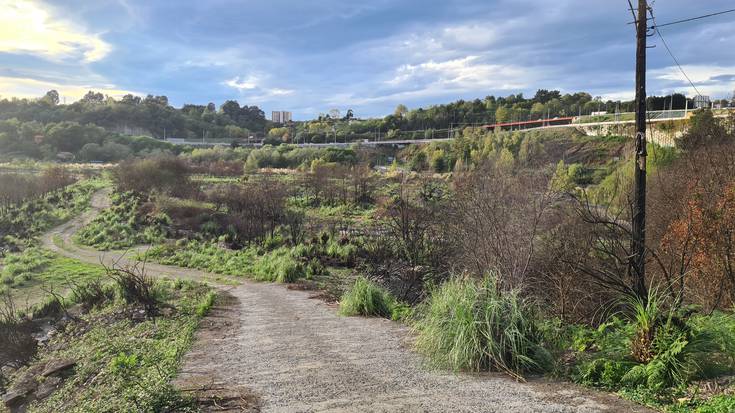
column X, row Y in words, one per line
column 658, row 349
column 136, row 288
column 472, row 325
column 366, row 298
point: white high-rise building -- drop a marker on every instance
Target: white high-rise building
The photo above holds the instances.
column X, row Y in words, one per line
column 701, row 102
column 280, row 116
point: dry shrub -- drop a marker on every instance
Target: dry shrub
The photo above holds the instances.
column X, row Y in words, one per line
column 17, row 344
column 496, row 219
column 168, row 175
column 411, row 248
column 254, row 209
column 691, row 226
column 135, row 287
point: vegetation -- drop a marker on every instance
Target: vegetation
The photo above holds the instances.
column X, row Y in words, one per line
column 122, row 225
column 22, row 221
column 472, row 325
column 368, row 299
column 29, row 275
column 131, row 361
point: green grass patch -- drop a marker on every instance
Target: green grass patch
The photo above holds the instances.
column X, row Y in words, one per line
column 280, row 265
column 368, row 299
column 23, row 222
column 122, row 226
column 28, row 273
column 130, row 363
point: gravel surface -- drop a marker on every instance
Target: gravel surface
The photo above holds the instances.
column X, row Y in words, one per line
column 287, row 352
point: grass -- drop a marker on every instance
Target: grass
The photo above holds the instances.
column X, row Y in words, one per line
column 470, row 325
column 368, row 299
column 130, row 363
column 204, row 256
column 27, row 274
column 280, row 265
column 122, row 226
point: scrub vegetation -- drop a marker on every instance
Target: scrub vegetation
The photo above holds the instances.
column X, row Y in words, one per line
column 501, row 251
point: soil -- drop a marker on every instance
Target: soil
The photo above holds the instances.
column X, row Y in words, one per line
column 265, row 347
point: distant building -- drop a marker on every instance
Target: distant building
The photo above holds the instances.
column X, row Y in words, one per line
column 701, row 102
column 280, row 116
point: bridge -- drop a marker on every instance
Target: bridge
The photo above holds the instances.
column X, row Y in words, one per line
column 582, row 122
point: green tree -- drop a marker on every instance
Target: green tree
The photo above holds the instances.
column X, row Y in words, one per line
column 401, row 111
column 502, row 114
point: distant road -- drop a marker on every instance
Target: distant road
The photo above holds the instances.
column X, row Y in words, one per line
column 424, row 141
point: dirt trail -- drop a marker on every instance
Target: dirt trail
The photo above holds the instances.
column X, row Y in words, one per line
column 282, row 351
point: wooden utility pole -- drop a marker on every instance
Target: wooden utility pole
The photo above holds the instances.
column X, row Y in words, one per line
column 638, row 241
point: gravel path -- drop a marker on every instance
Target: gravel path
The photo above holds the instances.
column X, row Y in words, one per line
column 286, row 352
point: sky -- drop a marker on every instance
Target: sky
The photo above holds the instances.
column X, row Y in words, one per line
column 371, row 55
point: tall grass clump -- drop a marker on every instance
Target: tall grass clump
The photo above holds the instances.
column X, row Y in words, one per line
column 473, row 325
column 279, row 266
column 368, row 299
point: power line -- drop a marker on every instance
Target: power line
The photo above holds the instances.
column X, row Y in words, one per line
column 668, row 49
column 656, row 26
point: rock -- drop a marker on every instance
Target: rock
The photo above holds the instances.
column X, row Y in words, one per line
column 47, row 387
column 138, row 316
column 57, row 366
column 14, row 397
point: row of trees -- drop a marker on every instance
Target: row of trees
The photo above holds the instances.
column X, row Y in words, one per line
column 151, row 115
column 84, row 142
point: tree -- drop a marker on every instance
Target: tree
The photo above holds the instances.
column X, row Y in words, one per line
column 334, row 114
column 51, row 97
column 93, row 98
column 502, row 114
column 401, row 111
column 704, row 130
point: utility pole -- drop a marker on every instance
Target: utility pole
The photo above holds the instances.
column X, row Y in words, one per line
column 638, row 242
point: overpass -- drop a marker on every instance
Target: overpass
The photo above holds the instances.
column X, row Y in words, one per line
column 551, row 123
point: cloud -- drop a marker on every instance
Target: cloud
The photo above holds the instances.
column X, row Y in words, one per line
column 33, row 88
column 249, row 83
column 470, row 35
column 465, row 73
column 26, row 27
column 709, row 79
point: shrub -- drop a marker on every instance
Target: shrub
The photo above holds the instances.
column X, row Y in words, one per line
column 659, row 348
column 472, row 325
column 366, row 298
column 91, row 295
column 135, row 288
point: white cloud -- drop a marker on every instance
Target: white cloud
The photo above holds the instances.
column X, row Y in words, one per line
column 26, row 27
column 33, row 88
column 249, row 83
column 709, row 80
column 467, row 73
